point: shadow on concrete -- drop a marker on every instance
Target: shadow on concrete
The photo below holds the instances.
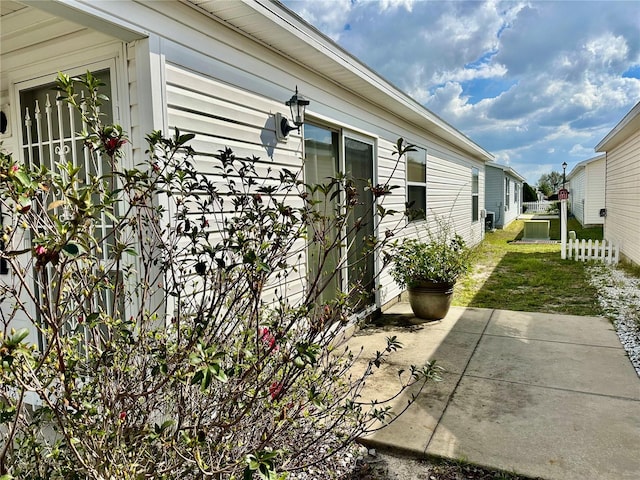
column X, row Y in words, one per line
column 535, row 393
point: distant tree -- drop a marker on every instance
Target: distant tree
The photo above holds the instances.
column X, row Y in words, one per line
column 549, row 183
column 529, row 193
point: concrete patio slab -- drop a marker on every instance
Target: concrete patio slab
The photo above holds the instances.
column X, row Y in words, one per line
column 552, row 396
column 545, row 326
column 582, row 368
column 451, row 349
column 541, row 432
column 413, row 428
column 469, row 320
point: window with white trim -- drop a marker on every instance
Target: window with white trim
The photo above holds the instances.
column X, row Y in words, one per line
column 507, row 191
column 475, row 192
column 417, row 184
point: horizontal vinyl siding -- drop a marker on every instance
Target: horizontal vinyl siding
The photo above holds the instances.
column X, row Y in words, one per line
column 594, row 192
column 494, row 194
column 388, row 164
column 622, row 224
column 578, row 195
column 449, row 194
column 223, row 116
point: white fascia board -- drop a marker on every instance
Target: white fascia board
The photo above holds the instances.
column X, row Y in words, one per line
column 583, row 164
column 83, row 13
column 628, row 125
column 516, row 175
column 508, row 170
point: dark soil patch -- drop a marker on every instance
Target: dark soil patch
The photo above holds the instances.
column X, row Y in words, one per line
column 390, row 466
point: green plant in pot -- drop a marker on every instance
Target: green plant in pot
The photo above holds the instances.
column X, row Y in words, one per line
column 429, row 269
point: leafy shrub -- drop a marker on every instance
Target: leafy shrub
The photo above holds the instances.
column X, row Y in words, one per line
column 441, row 259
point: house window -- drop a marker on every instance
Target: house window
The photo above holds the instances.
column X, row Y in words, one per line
column 516, row 193
column 417, row 184
column 475, row 182
column 507, row 200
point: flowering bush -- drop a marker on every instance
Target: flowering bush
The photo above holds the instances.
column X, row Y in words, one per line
column 170, row 346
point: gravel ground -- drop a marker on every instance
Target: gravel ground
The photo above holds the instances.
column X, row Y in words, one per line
column 619, row 297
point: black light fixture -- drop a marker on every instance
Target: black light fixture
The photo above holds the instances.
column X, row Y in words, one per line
column 564, row 173
column 297, row 104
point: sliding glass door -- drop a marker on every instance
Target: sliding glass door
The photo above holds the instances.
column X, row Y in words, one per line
column 327, row 152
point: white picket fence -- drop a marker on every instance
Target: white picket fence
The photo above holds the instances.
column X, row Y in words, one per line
column 583, row 250
column 541, row 206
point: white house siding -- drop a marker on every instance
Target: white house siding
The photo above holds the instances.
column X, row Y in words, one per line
column 449, row 192
column 205, row 77
column 224, row 116
column 577, row 195
column 622, row 223
column 594, row 192
column 586, row 190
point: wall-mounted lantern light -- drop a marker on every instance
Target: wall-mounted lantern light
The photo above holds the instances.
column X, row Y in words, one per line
column 297, row 103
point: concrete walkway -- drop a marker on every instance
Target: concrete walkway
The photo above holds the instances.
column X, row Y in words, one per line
column 551, row 396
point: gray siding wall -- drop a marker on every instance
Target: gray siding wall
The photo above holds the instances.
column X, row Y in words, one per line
column 513, row 208
column 494, row 194
column 496, row 198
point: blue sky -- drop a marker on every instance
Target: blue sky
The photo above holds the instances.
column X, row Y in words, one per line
column 535, row 83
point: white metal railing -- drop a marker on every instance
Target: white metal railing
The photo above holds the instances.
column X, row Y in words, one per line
column 583, row 250
column 541, row 206
column 54, row 141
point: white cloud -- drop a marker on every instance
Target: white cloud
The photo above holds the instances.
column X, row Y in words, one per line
column 607, row 49
column 468, row 74
column 533, row 82
column 581, row 152
column 330, row 17
column 393, row 4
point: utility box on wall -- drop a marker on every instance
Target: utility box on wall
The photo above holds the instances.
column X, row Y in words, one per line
column 490, row 221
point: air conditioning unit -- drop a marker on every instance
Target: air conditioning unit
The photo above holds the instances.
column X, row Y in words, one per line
column 490, row 221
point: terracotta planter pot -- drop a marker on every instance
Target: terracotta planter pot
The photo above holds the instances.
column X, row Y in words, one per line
column 431, row 301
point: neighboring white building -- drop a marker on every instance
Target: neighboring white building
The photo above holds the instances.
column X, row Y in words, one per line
column 622, row 187
column 586, row 191
column 503, row 193
column 223, row 70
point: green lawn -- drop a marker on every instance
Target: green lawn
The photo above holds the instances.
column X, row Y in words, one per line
column 526, row 277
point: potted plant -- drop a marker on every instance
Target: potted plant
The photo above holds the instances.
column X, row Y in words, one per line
column 429, row 269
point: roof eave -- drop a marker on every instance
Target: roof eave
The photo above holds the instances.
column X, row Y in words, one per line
column 629, row 124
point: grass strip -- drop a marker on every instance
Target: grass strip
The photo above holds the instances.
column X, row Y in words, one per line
column 527, row 277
